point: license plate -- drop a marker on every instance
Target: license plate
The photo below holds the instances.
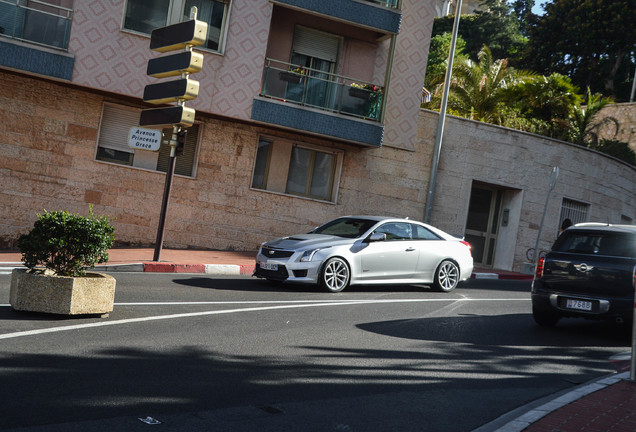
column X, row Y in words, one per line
column 578, row 305
column 268, row 266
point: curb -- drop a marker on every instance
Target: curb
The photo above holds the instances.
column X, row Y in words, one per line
column 235, row 269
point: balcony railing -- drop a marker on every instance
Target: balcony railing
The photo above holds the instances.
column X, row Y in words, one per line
column 323, row 90
column 36, row 21
column 393, row 4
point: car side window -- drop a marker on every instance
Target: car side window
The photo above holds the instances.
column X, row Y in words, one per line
column 395, row 231
column 422, row 233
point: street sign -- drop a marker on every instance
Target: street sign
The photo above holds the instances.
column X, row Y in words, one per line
column 179, row 36
column 183, row 35
column 171, row 91
column 175, row 64
column 168, row 116
column 144, row 139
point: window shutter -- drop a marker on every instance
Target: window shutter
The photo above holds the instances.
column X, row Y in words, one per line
column 116, row 124
column 316, row 44
column 185, row 163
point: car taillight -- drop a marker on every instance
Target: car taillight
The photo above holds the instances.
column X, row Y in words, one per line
column 465, row 243
column 538, row 272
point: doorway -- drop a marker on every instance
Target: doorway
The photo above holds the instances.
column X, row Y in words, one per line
column 483, row 222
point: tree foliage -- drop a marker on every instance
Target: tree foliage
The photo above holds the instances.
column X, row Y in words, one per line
column 495, row 26
column 591, row 41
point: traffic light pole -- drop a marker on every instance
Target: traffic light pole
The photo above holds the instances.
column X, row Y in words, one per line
column 166, row 194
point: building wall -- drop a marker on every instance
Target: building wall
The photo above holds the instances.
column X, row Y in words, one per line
column 625, row 115
column 48, row 135
column 521, row 164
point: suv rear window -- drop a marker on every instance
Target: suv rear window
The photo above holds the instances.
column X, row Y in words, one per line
column 616, row 244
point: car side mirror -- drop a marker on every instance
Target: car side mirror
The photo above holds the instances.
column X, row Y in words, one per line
column 376, row 237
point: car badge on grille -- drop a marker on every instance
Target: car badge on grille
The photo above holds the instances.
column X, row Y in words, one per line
column 583, row 267
column 271, row 252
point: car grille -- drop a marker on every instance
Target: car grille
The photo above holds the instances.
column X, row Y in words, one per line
column 276, row 253
column 280, row 274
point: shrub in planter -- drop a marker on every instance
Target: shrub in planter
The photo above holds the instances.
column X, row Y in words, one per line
column 67, row 243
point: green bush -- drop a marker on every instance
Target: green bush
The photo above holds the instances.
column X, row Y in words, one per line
column 67, row 243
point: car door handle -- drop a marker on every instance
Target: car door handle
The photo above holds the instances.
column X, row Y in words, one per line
column 410, row 249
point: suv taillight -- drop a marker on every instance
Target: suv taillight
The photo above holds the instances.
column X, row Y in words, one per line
column 538, row 272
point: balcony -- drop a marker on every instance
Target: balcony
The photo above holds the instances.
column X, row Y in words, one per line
column 380, row 15
column 321, row 103
column 34, row 37
column 36, row 22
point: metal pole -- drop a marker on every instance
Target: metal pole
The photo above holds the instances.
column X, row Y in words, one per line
column 631, row 98
column 555, row 174
column 632, row 368
column 166, row 194
column 442, row 117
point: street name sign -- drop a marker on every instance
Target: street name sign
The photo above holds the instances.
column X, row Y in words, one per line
column 144, row 139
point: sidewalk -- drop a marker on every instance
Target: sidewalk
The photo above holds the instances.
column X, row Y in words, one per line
column 605, row 405
column 205, row 261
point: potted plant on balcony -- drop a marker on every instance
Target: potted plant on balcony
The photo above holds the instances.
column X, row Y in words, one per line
column 364, row 91
column 57, row 252
column 293, row 75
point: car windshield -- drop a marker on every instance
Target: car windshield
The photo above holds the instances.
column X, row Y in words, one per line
column 345, row 227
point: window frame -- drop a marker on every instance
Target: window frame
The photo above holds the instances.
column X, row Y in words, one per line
column 279, row 160
column 118, row 146
column 175, row 13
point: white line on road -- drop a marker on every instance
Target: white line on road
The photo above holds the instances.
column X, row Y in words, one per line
column 285, row 305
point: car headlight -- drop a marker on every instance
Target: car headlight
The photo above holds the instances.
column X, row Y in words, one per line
column 308, row 255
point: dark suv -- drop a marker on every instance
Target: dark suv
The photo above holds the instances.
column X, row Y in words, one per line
column 589, row 273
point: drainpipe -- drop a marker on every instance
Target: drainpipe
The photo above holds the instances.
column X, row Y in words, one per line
column 442, row 117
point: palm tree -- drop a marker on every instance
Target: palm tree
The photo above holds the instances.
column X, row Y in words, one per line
column 476, row 89
column 584, row 122
column 545, row 101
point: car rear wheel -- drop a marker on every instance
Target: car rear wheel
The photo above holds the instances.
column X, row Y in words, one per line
column 545, row 318
column 446, row 276
column 335, row 275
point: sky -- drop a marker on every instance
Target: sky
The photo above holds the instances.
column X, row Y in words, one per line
column 537, row 9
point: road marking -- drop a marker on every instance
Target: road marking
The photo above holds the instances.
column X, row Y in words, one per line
column 279, row 305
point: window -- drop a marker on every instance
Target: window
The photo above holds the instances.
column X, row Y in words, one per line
column 296, row 169
column 112, row 144
column 310, row 173
column 262, row 164
column 395, row 230
column 575, row 211
column 143, row 16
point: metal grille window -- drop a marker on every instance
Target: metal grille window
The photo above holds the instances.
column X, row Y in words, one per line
column 143, row 16
column 575, row 211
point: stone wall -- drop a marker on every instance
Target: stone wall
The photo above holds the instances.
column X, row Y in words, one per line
column 49, row 131
column 522, row 164
column 48, row 135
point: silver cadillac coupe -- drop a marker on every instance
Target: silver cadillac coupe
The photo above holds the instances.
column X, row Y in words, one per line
column 367, row 250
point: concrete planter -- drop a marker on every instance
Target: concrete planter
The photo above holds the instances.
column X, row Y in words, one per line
column 93, row 294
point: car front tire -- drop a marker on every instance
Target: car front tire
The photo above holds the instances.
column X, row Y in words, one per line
column 446, row 276
column 335, row 275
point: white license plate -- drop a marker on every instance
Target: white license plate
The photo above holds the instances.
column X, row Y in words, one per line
column 578, row 305
column 268, row 266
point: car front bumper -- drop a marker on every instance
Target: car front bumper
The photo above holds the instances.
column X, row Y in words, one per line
column 287, row 270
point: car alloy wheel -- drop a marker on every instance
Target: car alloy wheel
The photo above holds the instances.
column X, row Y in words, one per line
column 446, row 276
column 335, row 275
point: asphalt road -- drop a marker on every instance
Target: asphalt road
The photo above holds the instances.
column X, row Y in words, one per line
column 195, row 352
